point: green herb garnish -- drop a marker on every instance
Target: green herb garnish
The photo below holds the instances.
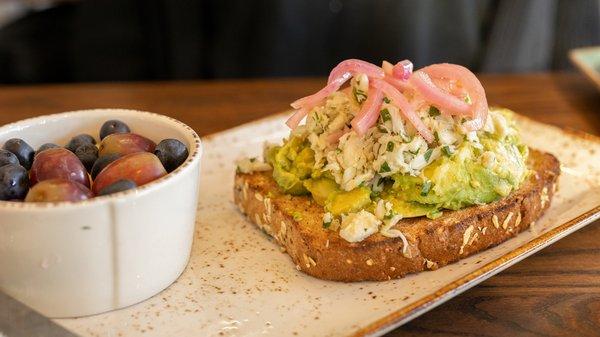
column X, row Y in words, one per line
column 359, row 95
column 297, row 216
column 436, row 136
column 390, row 146
column 385, row 115
column 385, row 167
column 426, row 188
column 326, row 224
column 447, row 151
column 468, row 99
column 387, row 100
column 433, row 111
column 427, row 154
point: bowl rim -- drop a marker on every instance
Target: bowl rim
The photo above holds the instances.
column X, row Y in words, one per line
column 119, row 196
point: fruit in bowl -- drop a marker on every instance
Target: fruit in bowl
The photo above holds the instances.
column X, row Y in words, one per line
column 58, row 163
column 14, row 182
column 152, row 225
column 140, row 167
column 21, row 150
column 125, row 143
column 82, row 169
column 54, row 190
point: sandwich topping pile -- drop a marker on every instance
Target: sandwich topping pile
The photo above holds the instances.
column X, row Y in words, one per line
column 395, row 144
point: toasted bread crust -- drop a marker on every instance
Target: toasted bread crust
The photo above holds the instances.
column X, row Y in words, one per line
column 432, row 243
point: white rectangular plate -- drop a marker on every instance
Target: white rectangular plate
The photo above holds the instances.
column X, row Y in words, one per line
column 238, row 283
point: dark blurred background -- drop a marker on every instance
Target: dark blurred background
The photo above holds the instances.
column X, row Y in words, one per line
column 121, row 40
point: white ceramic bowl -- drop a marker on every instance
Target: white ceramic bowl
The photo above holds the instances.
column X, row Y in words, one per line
column 75, row 259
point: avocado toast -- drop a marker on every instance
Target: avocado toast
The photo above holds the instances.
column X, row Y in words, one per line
column 399, row 172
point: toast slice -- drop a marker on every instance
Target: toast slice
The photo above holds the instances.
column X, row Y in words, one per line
column 296, row 223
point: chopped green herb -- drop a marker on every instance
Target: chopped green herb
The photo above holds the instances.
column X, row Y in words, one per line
column 436, row 136
column 463, row 120
column 447, row 151
column 390, row 146
column 433, row 111
column 414, row 153
column 387, row 100
column 385, row 167
column 252, row 160
column 426, row 188
column 326, row 224
column 382, row 129
column 359, row 95
column 468, row 99
column 385, row 115
column 297, row 216
column 427, row 154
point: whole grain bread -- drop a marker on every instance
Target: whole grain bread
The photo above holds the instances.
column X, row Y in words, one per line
column 296, row 223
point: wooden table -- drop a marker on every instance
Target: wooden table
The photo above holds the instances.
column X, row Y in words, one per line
column 555, row 292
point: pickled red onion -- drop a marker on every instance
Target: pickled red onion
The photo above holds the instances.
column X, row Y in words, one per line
column 351, row 67
column 479, row 105
column 444, row 101
column 401, row 85
column 405, row 108
column 369, row 112
column 310, row 101
column 338, row 76
column 401, row 82
column 296, row 118
column 402, row 70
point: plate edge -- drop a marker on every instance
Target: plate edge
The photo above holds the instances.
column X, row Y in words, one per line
column 394, row 319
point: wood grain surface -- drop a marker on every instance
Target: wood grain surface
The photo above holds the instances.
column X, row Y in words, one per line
column 556, row 292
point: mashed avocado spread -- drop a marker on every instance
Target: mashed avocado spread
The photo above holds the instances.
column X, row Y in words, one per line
column 391, row 170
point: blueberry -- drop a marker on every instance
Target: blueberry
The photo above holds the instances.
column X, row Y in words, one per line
column 46, row 147
column 118, row 186
column 7, row 157
column 87, row 154
column 171, row 153
column 79, row 140
column 102, row 162
column 113, row 126
column 22, row 150
column 14, row 182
